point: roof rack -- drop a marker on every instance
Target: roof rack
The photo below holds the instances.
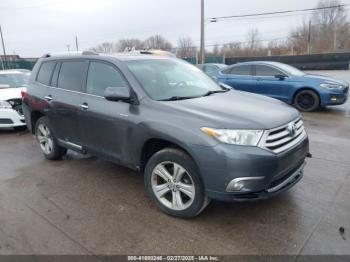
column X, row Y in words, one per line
column 74, row 53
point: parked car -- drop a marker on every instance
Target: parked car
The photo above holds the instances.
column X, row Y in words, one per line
column 191, row 138
column 12, row 82
column 211, row 69
column 306, row 92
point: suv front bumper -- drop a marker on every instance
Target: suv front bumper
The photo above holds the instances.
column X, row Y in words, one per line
column 271, row 173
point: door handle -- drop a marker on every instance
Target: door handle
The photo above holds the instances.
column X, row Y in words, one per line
column 84, row 106
column 48, row 98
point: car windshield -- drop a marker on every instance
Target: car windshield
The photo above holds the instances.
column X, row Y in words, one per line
column 172, row 79
column 221, row 66
column 291, row 70
column 14, row 80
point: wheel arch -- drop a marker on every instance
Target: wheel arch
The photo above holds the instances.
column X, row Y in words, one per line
column 34, row 117
column 303, row 89
column 154, row 145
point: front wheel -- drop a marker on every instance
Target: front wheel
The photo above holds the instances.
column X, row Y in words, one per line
column 47, row 140
column 173, row 182
column 307, row 101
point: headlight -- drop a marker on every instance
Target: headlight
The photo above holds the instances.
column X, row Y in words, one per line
column 331, row 86
column 5, row 105
column 235, row 137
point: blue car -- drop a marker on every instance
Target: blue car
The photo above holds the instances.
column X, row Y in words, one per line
column 211, row 69
column 286, row 83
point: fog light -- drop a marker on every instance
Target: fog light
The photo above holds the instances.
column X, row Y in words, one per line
column 242, row 184
column 237, row 185
column 333, row 99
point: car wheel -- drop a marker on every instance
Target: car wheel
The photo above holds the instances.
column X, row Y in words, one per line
column 47, row 141
column 173, row 182
column 307, row 101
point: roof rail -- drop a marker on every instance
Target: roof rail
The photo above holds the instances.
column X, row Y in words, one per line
column 73, row 53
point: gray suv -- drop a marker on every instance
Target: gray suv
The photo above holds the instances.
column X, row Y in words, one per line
column 193, row 139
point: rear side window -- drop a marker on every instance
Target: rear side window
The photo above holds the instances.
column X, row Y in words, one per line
column 71, row 75
column 262, row 70
column 45, row 72
column 101, row 76
column 244, row 70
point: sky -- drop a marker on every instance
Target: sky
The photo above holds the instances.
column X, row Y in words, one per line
column 32, row 28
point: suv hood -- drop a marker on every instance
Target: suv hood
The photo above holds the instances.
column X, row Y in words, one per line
column 325, row 79
column 236, row 110
column 10, row 93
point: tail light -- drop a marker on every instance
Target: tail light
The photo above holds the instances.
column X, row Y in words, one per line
column 24, row 93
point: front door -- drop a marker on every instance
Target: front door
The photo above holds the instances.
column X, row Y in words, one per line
column 268, row 84
column 105, row 124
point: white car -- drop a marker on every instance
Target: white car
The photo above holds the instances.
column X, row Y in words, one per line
column 12, row 83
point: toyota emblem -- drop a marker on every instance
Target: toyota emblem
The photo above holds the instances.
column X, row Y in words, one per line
column 292, row 129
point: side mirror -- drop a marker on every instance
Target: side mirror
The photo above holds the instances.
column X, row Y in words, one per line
column 281, row 76
column 117, row 94
column 4, row 86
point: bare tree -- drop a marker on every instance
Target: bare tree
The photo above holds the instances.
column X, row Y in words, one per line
column 298, row 38
column 129, row 44
column 331, row 28
column 186, row 47
column 253, row 42
column 232, row 49
column 106, row 47
column 157, row 42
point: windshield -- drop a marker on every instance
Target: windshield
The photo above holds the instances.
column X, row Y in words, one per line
column 166, row 79
column 221, row 66
column 291, row 70
column 14, row 80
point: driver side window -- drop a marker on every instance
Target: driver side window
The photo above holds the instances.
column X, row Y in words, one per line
column 262, row 70
column 101, row 76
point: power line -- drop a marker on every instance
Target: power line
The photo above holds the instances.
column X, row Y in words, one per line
column 278, row 12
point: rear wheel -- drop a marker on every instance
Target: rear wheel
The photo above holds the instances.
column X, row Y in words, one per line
column 173, row 182
column 307, row 101
column 47, row 141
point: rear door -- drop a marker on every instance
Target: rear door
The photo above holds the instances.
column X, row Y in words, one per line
column 239, row 77
column 268, row 84
column 105, row 124
column 68, row 80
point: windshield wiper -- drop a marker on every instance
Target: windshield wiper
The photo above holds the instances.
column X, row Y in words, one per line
column 176, row 98
column 216, row 92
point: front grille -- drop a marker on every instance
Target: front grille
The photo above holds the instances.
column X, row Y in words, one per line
column 283, row 138
column 16, row 105
column 5, row 121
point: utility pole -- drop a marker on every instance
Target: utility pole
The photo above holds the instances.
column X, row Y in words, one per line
column 202, row 46
column 76, row 43
column 309, row 39
column 68, row 48
column 3, row 48
column 335, row 44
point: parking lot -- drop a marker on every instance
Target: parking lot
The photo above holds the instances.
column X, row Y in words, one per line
column 84, row 205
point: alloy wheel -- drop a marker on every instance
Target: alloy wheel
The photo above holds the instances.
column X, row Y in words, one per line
column 45, row 139
column 305, row 101
column 173, row 185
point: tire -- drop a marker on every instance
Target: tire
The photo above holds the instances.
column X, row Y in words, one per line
column 47, row 140
column 307, row 101
column 181, row 195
